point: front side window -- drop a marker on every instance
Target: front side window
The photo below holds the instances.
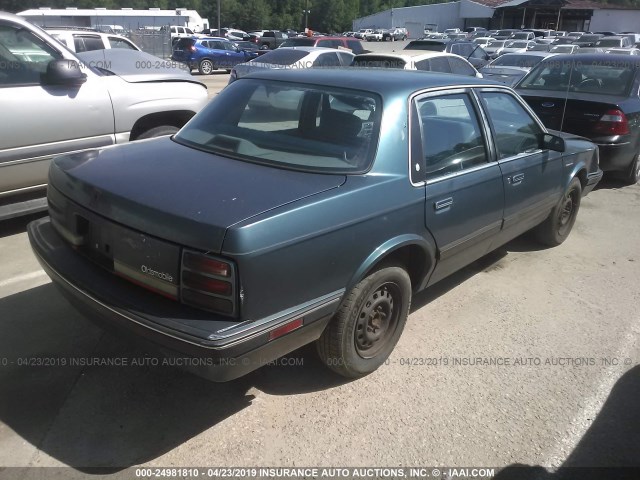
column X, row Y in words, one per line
column 461, row 67
column 514, row 129
column 452, row 140
column 440, row 64
column 88, row 43
column 23, row 56
column 116, row 42
column 298, row 127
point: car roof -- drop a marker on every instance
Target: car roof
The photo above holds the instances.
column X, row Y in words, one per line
column 595, row 59
column 313, row 49
column 386, row 82
column 528, row 54
column 415, row 55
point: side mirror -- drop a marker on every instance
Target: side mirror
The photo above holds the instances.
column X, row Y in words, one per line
column 64, row 72
column 552, row 142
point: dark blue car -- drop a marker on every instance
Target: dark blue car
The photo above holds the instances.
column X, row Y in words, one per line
column 209, row 53
column 305, row 206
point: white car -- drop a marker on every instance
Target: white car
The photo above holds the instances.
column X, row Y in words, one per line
column 61, row 102
column 294, row 58
column 440, row 62
column 88, row 40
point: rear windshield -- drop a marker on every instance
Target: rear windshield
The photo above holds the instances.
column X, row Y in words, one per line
column 426, row 45
column 185, row 43
column 522, row 61
column 298, row 42
column 286, row 125
column 601, row 76
column 590, row 38
column 378, row 61
column 608, row 42
column 287, row 56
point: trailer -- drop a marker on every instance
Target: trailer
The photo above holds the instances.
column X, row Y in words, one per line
column 127, row 19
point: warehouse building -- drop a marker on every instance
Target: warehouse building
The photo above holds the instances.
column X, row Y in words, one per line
column 571, row 15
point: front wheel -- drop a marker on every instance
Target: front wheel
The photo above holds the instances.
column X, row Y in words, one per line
column 206, row 67
column 556, row 228
column 368, row 324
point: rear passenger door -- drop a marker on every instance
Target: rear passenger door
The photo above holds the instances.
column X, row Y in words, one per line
column 464, row 189
column 532, row 177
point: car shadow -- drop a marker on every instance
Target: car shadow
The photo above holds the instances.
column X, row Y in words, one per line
column 610, row 182
column 92, row 400
column 610, row 449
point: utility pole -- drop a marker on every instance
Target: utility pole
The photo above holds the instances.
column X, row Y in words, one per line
column 306, row 12
column 219, row 1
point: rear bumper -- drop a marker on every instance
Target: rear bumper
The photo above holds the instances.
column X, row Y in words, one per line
column 119, row 306
column 616, row 156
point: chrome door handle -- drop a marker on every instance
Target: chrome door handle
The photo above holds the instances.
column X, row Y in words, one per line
column 444, row 203
column 517, row 178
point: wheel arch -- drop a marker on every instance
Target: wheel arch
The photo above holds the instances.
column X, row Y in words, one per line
column 413, row 252
column 176, row 118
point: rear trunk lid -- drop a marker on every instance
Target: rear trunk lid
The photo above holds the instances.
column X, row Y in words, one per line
column 570, row 112
column 177, row 193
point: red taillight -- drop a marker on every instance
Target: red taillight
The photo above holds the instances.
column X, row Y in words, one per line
column 613, row 122
column 192, row 48
column 208, row 283
column 205, row 284
column 208, row 265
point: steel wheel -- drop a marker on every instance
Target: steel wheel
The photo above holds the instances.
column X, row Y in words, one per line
column 377, row 320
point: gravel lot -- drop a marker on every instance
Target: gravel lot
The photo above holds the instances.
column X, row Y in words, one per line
column 529, row 356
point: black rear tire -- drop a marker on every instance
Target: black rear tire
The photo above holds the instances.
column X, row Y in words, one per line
column 159, row 131
column 556, row 228
column 368, row 324
column 206, row 67
column 633, row 176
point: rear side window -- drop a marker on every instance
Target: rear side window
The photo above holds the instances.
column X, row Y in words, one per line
column 87, row 43
column 327, row 60
column 426, row 45
column 329, row 43
column 461, row 67
column 298, row 42
column 185, row 43
column 451, row 136
column 440, row 64
column 116, row 42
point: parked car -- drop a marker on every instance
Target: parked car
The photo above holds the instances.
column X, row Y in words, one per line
column 375, row 36
column 522, row 36
column 504, row 34
column 352, row 44
column 416, row 60
column 516, row 46
column 588, row 40
column 294, row 58
column 60, row 103
column 470, row 51
column 271, row 39
column 495, row 48
column 311, row 221
column 511, row 67
column 483, row 41
column 623, row 51
column 398, row 33
column 231, row 34
column 180, row 32
column 87, row 40
column 251, row 49
column 614, row 42
column 595, row 97
column 208, row 54
column 360, row 34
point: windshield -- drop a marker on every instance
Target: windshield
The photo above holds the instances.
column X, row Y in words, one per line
column 601, row 76
column 522, row 61
column 287, row 125
column 517, row 44
column 496, row 44
column 430, row 46
column 521, row 36
column 298, row 42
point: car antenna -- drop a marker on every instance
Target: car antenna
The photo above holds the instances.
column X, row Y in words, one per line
column 566, row 96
